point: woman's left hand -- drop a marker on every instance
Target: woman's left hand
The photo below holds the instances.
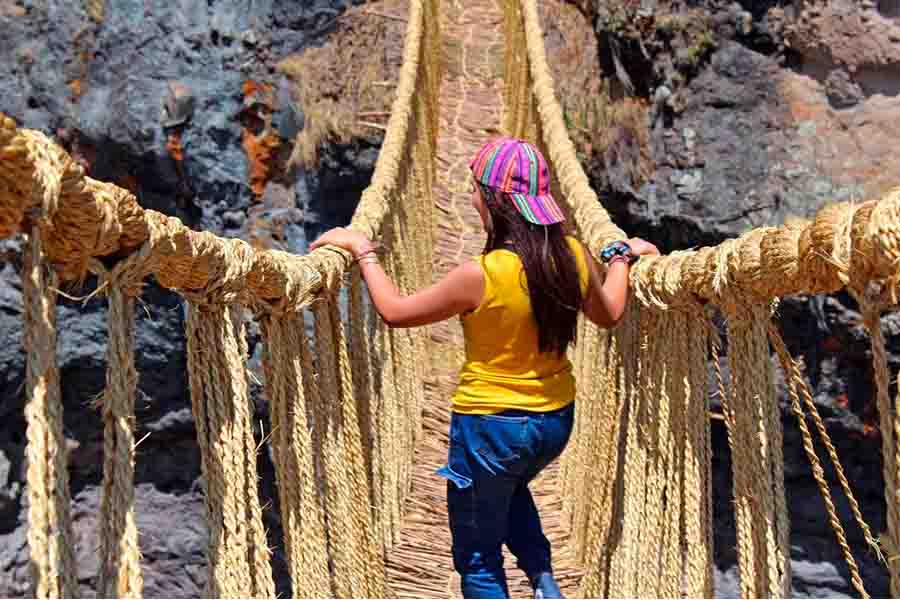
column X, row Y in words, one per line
column 353, row 242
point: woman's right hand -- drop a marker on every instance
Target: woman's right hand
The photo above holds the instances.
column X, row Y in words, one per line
column 641, row 247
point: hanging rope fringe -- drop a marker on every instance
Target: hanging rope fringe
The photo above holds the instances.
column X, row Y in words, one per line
column 289, row 366
column 796, row 386
column 757, row 460
column 890, row 433
column 120, row 572
column 238, row 555
column 50, row 538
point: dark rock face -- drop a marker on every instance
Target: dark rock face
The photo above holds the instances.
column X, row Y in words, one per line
column 181, row 103
column 792, row 109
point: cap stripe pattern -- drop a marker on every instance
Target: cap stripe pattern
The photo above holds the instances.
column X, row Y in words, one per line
column 519, row 170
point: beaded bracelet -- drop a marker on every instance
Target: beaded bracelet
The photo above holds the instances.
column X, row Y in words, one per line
column 617, row 249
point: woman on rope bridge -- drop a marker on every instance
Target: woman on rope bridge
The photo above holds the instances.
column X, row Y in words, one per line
column 514, row 406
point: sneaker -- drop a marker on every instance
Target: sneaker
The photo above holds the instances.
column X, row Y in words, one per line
column 545, row 586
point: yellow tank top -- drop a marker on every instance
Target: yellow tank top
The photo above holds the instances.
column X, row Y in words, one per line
column 504, row 369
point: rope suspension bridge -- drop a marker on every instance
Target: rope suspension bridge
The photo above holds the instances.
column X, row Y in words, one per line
column 359, row 410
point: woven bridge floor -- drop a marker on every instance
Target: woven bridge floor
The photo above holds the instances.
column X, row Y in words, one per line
column 420, row 564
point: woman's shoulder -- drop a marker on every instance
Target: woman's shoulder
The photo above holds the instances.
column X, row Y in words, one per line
column 577, row 247
column 574, row 242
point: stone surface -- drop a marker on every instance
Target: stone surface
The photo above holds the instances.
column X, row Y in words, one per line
column 183, row 104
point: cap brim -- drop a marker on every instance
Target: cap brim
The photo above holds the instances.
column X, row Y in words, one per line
column 540, row 210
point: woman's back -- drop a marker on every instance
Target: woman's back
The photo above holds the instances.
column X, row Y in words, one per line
column 504, row 369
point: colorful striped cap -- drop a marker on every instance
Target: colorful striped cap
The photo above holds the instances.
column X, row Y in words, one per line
column 518, row 169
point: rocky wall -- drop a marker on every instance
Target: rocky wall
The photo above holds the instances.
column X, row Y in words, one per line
column 182, row 103
column 756, row 111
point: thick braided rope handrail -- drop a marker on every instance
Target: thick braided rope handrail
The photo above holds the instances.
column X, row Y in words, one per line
column 777, row 261
column 98, row 219
column 818, row 256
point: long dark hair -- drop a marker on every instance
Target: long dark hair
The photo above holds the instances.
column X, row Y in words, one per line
column 550, row 268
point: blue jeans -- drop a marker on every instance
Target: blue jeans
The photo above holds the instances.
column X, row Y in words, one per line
column 491, row 460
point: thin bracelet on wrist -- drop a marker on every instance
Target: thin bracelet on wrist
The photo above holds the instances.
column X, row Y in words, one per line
column 367, row 259
column 366, row 254
column 368, row 248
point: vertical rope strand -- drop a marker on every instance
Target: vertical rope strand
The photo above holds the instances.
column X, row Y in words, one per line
column 50, row 538
column 238, row 558
column 288, row 364
column 120, row 572
column 341, row 534
column 366, row 559
column 258, row 554
column 698, row 463
column 890, row 433
column 764, row 557
column 795, row 381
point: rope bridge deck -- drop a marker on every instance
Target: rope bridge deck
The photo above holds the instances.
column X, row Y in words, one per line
column 359, row 417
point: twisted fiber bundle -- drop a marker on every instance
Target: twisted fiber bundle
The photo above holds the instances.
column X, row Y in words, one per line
column 362, row 345
column 664, row 544
column 398, row 269
column 29, row 177
column 343, row 542
column 795, row 381
column 120, row 573
column 585, row 438
column 654, row 410
column 395, row 405
column 367, row 561
column 50, row 539
column 570, row 457
column 363, row 348
column 757, row 460
column 383, row 385
column 627, row 507
column 890, row 434
column 288, row 365
column 825, row 438
column 238, row 552
column 604, row 460
column 697, row 490
column 258, row 553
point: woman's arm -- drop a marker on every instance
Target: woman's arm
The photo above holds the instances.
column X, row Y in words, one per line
column 607, row 298
column 459, row 291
